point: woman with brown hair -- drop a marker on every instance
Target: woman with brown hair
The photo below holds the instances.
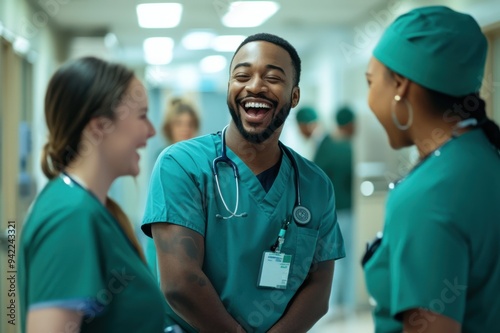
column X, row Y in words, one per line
column 81, row 267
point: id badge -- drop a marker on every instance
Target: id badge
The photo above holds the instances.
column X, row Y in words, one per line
column 274, row 270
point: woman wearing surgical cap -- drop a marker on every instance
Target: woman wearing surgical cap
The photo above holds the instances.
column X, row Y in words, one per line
column 437, row 266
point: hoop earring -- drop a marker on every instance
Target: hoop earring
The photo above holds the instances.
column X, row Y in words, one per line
column 397, row 99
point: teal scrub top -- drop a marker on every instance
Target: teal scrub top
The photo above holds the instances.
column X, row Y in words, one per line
column 151, row 258
column 440, row 247
column 183, row 192
column 334, row 157
column 74, row 254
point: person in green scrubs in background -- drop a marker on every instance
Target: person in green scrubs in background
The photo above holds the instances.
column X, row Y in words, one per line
column 81, row 268
column 245, row 228
column 335, row 157
column 436, row 268
column 311, row 132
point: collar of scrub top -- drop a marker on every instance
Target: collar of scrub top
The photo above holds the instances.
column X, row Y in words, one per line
column 467, row 123
column 68, row 178
column 301, row 214
column 375, row 244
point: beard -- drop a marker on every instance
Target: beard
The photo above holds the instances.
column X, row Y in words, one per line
column 278, row 120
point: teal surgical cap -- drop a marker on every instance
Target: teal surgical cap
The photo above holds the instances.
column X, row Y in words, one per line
column 436, row 47
column 344, row 116
column 306, row 115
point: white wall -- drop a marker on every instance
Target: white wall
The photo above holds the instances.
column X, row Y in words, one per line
column 31, row 25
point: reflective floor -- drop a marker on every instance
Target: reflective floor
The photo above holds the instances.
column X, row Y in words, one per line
column 357, row 323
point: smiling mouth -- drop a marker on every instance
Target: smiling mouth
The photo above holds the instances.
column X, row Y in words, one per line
column 256, row 110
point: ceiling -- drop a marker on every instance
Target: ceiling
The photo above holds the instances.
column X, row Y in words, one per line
column 307, row 24
column 301, row 22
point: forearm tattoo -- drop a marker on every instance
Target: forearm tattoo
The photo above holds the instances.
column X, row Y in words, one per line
column 182, row 244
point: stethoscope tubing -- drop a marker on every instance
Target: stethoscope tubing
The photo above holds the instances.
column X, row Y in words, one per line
column 222, row 158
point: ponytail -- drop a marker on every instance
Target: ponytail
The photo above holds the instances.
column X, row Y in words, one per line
column 125, row 225
column 51, row 165
column 489, row 127
column 475, row 108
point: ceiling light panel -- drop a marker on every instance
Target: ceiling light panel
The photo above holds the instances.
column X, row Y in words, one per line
column 213, row 64
column 159, row 15
column 158, row 50
column 227, row 43
column 247, row 14
column 198, row 40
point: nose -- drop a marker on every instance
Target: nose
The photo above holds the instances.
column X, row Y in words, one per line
column 151, row 130
column 256, row 85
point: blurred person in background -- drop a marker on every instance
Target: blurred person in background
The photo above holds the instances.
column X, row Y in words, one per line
column 435, row 268
column 334, row 156
column 181, row 122
column 310, row 130
column 81, row 268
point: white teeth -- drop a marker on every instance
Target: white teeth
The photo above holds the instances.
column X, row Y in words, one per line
column 254, row 105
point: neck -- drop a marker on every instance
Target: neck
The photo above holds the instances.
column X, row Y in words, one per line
column 430, row 135
column 258, row 157
column 96, row 177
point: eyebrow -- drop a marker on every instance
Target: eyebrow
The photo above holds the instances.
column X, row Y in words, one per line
column 247, row 64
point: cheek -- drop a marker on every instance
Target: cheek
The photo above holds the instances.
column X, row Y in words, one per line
column 379, row 104
column 123, row 139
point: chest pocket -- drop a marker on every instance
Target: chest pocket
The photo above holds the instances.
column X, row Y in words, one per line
column 301, row 243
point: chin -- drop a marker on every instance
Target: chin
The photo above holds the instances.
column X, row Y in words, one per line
column 132, row 171
column 135, row 172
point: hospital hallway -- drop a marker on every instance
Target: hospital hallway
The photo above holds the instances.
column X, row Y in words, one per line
column 181, row 52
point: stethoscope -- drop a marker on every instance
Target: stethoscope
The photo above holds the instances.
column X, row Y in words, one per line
column 300, row 214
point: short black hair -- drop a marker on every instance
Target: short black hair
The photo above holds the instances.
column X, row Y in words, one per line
column 276, row 40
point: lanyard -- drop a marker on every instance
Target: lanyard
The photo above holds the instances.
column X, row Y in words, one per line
column 276, row 247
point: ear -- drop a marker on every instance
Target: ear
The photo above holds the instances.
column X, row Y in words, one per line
column 99, row 126
column 295, row 96
column 402, row 85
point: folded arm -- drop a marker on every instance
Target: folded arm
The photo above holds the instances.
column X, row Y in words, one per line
column 424, row 321
column 187, row 289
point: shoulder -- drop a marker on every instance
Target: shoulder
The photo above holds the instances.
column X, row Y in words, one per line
column 191, row 151
column 463, row 173
column 201, row 145
column 309, row 172
column 191, row 156
column 461, row 162
column 61, row 206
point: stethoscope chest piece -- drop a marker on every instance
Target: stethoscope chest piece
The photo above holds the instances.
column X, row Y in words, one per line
column 301, row 215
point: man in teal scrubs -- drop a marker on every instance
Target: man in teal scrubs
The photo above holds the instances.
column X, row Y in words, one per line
column 232, row 257
column 437, row 267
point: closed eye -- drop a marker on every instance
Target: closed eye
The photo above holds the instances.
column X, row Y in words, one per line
column 241, row 77
column 274, row 79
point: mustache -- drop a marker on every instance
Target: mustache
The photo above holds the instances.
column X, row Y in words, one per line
column 259, row 96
